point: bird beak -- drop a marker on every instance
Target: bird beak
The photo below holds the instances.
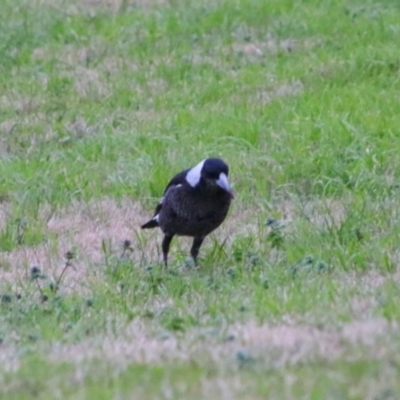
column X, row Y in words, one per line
column 223, row 183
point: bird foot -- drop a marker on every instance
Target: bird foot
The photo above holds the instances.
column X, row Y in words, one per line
column 189, row 263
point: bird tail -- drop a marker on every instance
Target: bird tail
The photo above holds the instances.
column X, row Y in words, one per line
column 153, row 223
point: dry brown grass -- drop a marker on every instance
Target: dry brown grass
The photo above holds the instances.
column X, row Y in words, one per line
column 270, row 45
column 274, row 345
column 278, row 346
column 84, row 227
column 95, row 6
column 294, row 88
column 81, row 228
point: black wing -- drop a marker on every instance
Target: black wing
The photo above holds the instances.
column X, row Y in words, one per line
column 178, row 179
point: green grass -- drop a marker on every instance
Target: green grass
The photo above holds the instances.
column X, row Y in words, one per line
column 102, row 102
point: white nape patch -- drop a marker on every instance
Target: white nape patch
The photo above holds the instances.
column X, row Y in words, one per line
column 194, row 175
column 223, row 182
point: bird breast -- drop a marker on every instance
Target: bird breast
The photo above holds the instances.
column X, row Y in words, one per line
column 194, row 213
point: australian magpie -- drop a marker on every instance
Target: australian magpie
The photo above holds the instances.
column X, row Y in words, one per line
column 195, row 202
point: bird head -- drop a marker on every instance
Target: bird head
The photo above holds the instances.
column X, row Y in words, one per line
column 212, row 173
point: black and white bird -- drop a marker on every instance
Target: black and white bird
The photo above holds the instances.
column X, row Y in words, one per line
column 195, row 203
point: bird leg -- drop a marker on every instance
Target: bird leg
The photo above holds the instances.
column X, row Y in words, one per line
column 194, row 251
column 165, row 248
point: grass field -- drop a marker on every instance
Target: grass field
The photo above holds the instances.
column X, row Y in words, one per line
column 297, row 295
